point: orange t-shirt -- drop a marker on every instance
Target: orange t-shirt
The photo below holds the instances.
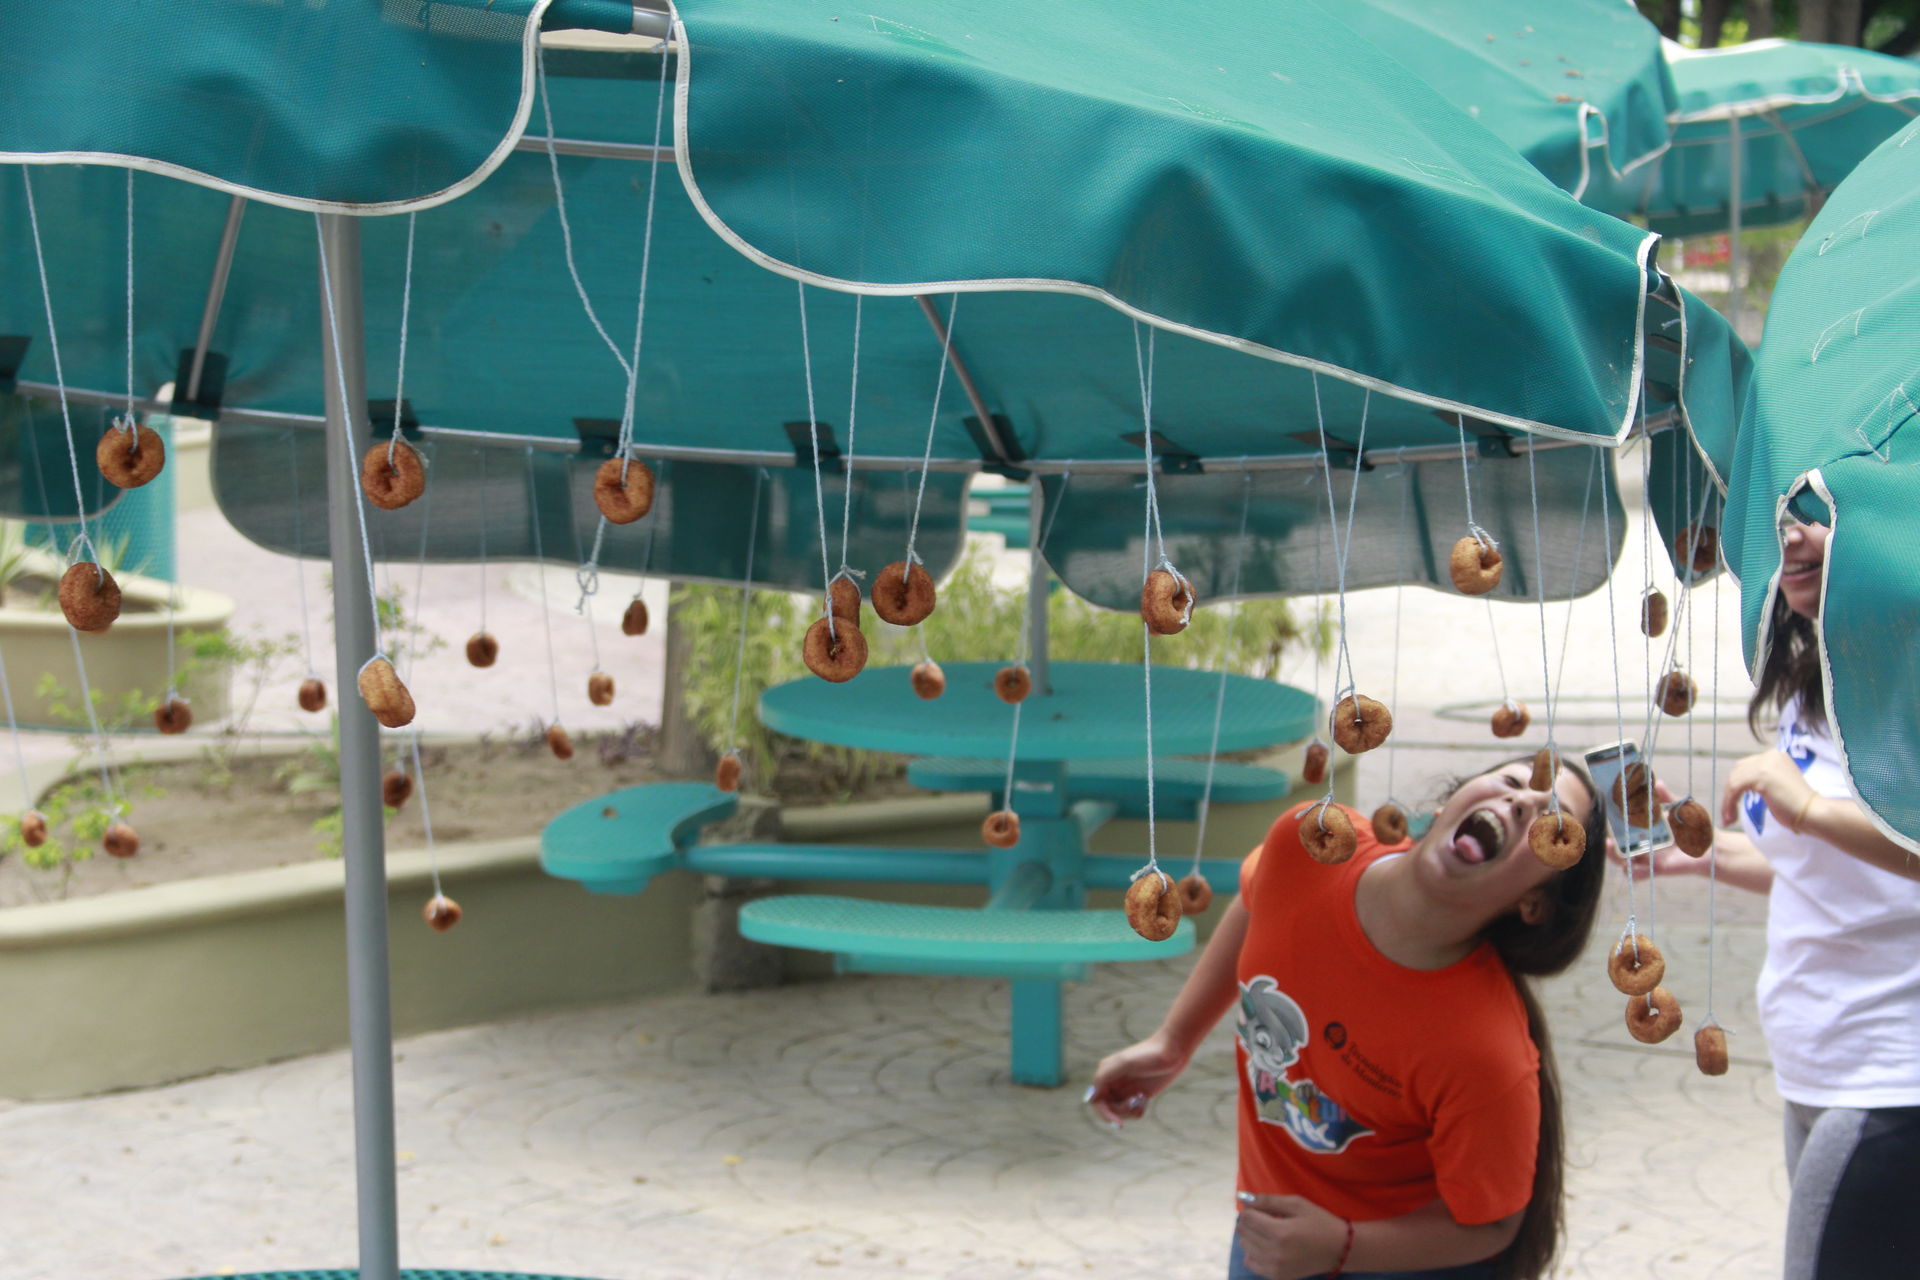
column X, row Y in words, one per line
column 1367, row 1087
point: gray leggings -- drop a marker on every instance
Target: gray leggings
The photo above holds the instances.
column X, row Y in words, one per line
column 1852, row 1213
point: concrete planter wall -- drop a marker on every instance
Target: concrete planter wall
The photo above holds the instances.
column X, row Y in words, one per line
column 129, row 656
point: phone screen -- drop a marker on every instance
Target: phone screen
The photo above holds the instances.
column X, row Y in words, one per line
column 1605, row 765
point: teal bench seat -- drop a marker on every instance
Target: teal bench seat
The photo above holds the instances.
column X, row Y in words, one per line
column 1177, row 784
column 616, row 843
column 890, row 937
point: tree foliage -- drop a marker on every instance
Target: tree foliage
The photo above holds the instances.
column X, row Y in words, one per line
column 1886, row 26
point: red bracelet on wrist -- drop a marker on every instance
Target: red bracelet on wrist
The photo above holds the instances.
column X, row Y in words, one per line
column 1345, row 1253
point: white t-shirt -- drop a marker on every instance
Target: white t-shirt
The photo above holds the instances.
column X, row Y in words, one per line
column 1840, row 990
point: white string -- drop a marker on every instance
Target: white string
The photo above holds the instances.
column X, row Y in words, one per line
column 1399, row 598
column 426, row 814
column 59, row 378
column 1466, row 478
column 1619, row 714
column 1226, row 650
column 1146, row 568
column 104, row 757
column 853, row 403
column 560, row 207
column 1342, row 547
column 1499, row 664
column 540, row 567
column 483, row 544
column 646, row 264
column 746, row 598
column 1143, row 364
column 1713, row 783
column 130, row 419
column 933, row 420
column 299, row 559
column 346, row 437
column 819, row 492
column 1546, row 673
column 400, row 371
column 13, row 730
column 1573, row 575
column 1026, row 635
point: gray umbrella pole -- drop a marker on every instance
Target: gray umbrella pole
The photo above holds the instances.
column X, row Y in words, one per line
column 1038, row 579
column 363, row 836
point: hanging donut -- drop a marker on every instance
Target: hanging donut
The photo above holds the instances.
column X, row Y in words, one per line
column 1710, row 1050
column 903, row 593
column 1653, row 1017
column 1653, row 613
column 1633, row 793
column 121, row 840
column 1677, row 692
column 928, row 680
column 89, row 597
column 1692, row 827
column 843, row 599
column 395, row 788
column 385, row 695
column 834, row 650
column 33, row 828
column 559, row 742
column 441, row 913
column 599, row 688
column 1327, row 834
column 313, row 694
column 1001, row 829
column 173, row 715
column 1196, row 895
column 1546, row 767
column 1635, row 965
column 130, row 456
column 1153, row 906
column 482, row 649
column 1313, row 764
column 623, row 490
column 1697, row 547
column 634, row 621
column 1360, row 723
column 1474, row 566
column 1390, row 823
column 392, row 475
column 726, row 774
column 1013, row 683
column 1556, row 841
column 1510, row 719
column 1166, row 602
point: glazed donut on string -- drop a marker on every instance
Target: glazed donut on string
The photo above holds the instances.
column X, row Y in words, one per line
column 843, row 598
column 623, row 490
column 559, row 742
column 599, row 688
column 1166, row 602
column 834, row 650
column 1475, row 565
column 89, row 597
column 1327, row 834
column 33, row 828
column 1153, row 906
column 395, row 788
column 173, row 715
column 121, row 840
column 131, row 455
column 385, row 695
column 1196, row 895
column 1555, row 841
column 726, row 774
column 392, row 475
column 1635, row 965
column 1390, row 823
column 1510, row 719
column 634, row 621
column 1692, row 827
column 1313, row 763
column 1697, row 547
column 1677, row 692
column 1710, row 1050
column 928, row 680
column 482, row 649
column 313, row 694
column 1653, row 1017
column 1001, row 829
column 1013, row 683
column 441, row 913
column 1360, row 723
column 903, row 593
column 1653, row 613
column 1546, row 767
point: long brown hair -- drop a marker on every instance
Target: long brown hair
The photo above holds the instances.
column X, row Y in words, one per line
column 1791, row 670
column 1538, row 951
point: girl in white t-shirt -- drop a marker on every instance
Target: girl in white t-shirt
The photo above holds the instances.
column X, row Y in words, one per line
column 1840, row 990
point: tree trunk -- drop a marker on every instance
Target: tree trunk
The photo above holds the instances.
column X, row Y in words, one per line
column 1664, row 14
column 1759, row 19
column 681, row 753
column 1713, row 20
column 1830, row 21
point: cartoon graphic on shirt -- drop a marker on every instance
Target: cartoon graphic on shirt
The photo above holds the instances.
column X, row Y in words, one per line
column 1793, row 741
column 1272, row 1029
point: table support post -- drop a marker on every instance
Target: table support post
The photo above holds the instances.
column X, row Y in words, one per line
column 1039, row 1022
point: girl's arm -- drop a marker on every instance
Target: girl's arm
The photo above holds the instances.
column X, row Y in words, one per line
column 1798, row 807
column 1124, row 1081
column 1287, row 1237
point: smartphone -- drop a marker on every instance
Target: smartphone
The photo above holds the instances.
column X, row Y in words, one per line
column 1605, row 765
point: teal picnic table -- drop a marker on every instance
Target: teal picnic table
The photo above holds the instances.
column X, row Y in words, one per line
column 1078, row 762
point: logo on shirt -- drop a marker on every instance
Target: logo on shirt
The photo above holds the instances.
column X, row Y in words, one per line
column 1793, row 741
column 1273, row 1030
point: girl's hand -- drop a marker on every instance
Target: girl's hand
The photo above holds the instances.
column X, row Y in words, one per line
column 1667, row 860
column 1124, row 1082
column 1774, row 777
column 1287, row 1237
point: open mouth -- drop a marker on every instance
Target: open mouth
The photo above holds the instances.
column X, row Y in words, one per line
column 1481, row 837
column 1798, row 568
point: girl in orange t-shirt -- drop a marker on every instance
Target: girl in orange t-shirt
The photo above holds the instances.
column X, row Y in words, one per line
column 1399, row 1109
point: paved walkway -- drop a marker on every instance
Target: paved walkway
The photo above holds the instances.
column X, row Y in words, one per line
column 865, row 1126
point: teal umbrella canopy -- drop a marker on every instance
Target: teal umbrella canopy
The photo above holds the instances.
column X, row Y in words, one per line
column 1805, row 115
column 1833, row 438
column 1398, row 268
column 1578, row 87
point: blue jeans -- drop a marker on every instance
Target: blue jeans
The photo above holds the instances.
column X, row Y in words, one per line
column 1237, row 1270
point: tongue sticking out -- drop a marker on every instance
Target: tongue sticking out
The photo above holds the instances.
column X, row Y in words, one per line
column 1479, row 838
column 1468, row 847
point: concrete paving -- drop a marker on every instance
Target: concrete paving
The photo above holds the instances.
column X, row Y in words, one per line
column 865, row 1126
